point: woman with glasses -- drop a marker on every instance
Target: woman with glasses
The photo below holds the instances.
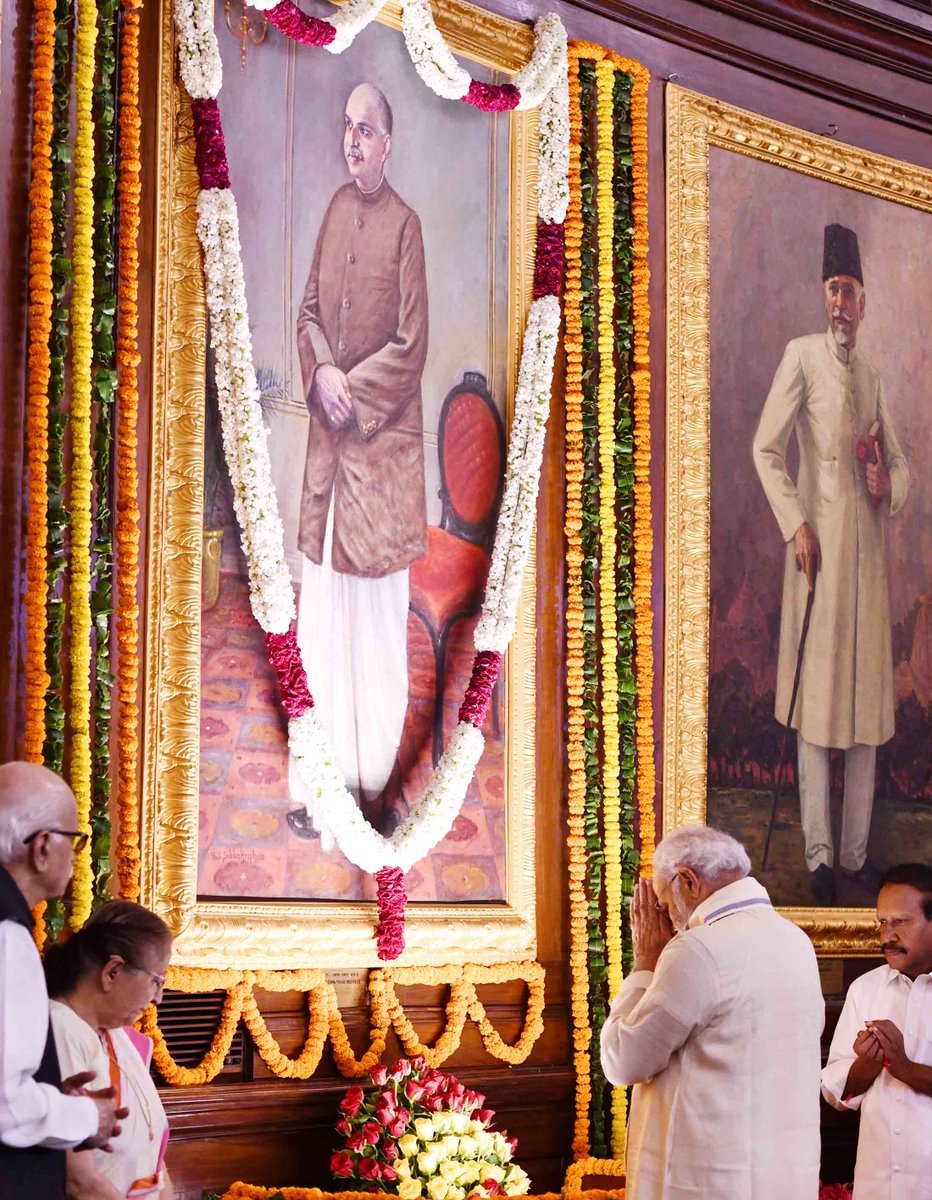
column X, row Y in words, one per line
column 99, row 982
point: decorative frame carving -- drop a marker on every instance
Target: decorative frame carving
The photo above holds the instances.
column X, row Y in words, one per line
column 276, row 934
column 695, row 124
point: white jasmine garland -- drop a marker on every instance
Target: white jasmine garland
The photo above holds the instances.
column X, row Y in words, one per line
column 432, row 58
column 519, row 501
column 246, row 443
column 198, row 52
column 245, row 436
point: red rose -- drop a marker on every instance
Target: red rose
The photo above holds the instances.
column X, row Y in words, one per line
column 380, row 1075
column 418, row 1063
column 484, row 1115
column 389, row 1149
column 368, row 1168
column 458, row 1090
column 351, row 1101
column 384, row 1115
column 433, row 1103
column 341, row 1165
column 413, row 1090
column 386, row 1097
column 344, row 1127
column 357, row 1142
column 479, row 1098
column 397, row 1127
column 402, row 1069
column 388, row 1173
column 372, row 1132
column 513, row 1143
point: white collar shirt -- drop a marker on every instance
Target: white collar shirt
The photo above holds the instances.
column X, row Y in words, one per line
column 32, row 1113
column 722, row 1044
column 895, row 1140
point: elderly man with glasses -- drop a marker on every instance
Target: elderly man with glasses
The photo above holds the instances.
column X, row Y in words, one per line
column 40, row 1116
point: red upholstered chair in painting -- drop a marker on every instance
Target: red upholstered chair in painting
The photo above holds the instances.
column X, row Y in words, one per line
column 447, row 584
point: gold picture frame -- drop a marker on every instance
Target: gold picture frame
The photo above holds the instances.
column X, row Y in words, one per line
column 695, row 125
column 278, row 934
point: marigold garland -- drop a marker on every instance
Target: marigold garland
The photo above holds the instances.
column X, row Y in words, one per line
column 575, row 675
column 325, row 1020
column 607, row 63
column 82, row 312
column 40, row 329
column 249, row 1191
column 572, row 1185
column 127, row 482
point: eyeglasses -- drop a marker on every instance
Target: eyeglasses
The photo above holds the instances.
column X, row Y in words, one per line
column 157, row 981
column 78, row 840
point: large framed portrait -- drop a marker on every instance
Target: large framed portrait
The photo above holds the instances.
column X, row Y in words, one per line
column 387, row 240
column 798, row 660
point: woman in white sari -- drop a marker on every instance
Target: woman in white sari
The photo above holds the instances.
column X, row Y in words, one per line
column 100, row 981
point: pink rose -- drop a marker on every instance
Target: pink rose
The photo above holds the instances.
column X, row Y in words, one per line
column 402, row 1069
column 380, row 1075
column 351, row 1101
column 388, row 1173
column 384, row 1115
column 357, row 1142
column 418, row 1063
column 413, row 1090
column 433, row 1103
column 397, row 1128
column 341, row 1165
column 458, row 1089
column 389, row 1149
column 478, row 1098
column 368, row 1168
column 386, row 1097
column 484, row 1115
column 513, row 1143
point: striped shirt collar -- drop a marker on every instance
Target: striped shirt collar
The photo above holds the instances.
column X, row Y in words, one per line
column 732, row 898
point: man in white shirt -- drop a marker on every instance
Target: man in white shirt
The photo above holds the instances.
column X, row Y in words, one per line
column 40, row 1117
column 881, row 1056
column 718, row 1028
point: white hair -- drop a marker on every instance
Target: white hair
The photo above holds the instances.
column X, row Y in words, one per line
column 707, row 851
column 31, row 799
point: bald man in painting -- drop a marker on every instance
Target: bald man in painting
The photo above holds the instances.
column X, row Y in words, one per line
column 362, row 343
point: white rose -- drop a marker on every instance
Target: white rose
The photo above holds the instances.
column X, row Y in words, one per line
column 408, row 1144
column 469, row 1147
column 402, row 1168
column 456, row 1193
column 450, row 1169
column 491, row 1171
column 427, row 1164
column 437, row 1188
column 485, row 1141
column 450, row 1145
column 443, row 1122
column 424, row 1128
column 470, row 1172
column 459, row 1122
column 409, row 1189
column 502, row 1149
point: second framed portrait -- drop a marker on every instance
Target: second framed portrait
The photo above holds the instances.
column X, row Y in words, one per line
column 799, row 509
column 387, row 241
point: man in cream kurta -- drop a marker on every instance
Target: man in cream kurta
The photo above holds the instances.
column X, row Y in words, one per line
column 362, row 334
column 719, row 1033
column 832, row 520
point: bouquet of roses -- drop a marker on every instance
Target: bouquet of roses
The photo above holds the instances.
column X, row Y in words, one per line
column 422, row 1133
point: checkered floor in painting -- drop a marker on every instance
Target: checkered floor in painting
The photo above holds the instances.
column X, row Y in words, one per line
column 245, row 846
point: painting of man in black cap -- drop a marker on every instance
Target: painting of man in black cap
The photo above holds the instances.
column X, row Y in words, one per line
column 834, row 678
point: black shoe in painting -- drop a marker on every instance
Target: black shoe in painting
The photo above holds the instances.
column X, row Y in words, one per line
column 868, row 877
column 822, row 882
column 300, row 826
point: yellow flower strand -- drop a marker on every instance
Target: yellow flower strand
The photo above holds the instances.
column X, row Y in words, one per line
column 575, row 678
column 608, row 612
column 573, row 1183
column 127, row 479
column 325, row 1020
column 607, row 63
column 82, row 312
column 37, row 399
column 249, row 1191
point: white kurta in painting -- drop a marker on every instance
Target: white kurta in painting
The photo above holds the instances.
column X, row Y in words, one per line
column 832, row 397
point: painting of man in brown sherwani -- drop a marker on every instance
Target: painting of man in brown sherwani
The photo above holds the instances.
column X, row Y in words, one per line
column 362, row 334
